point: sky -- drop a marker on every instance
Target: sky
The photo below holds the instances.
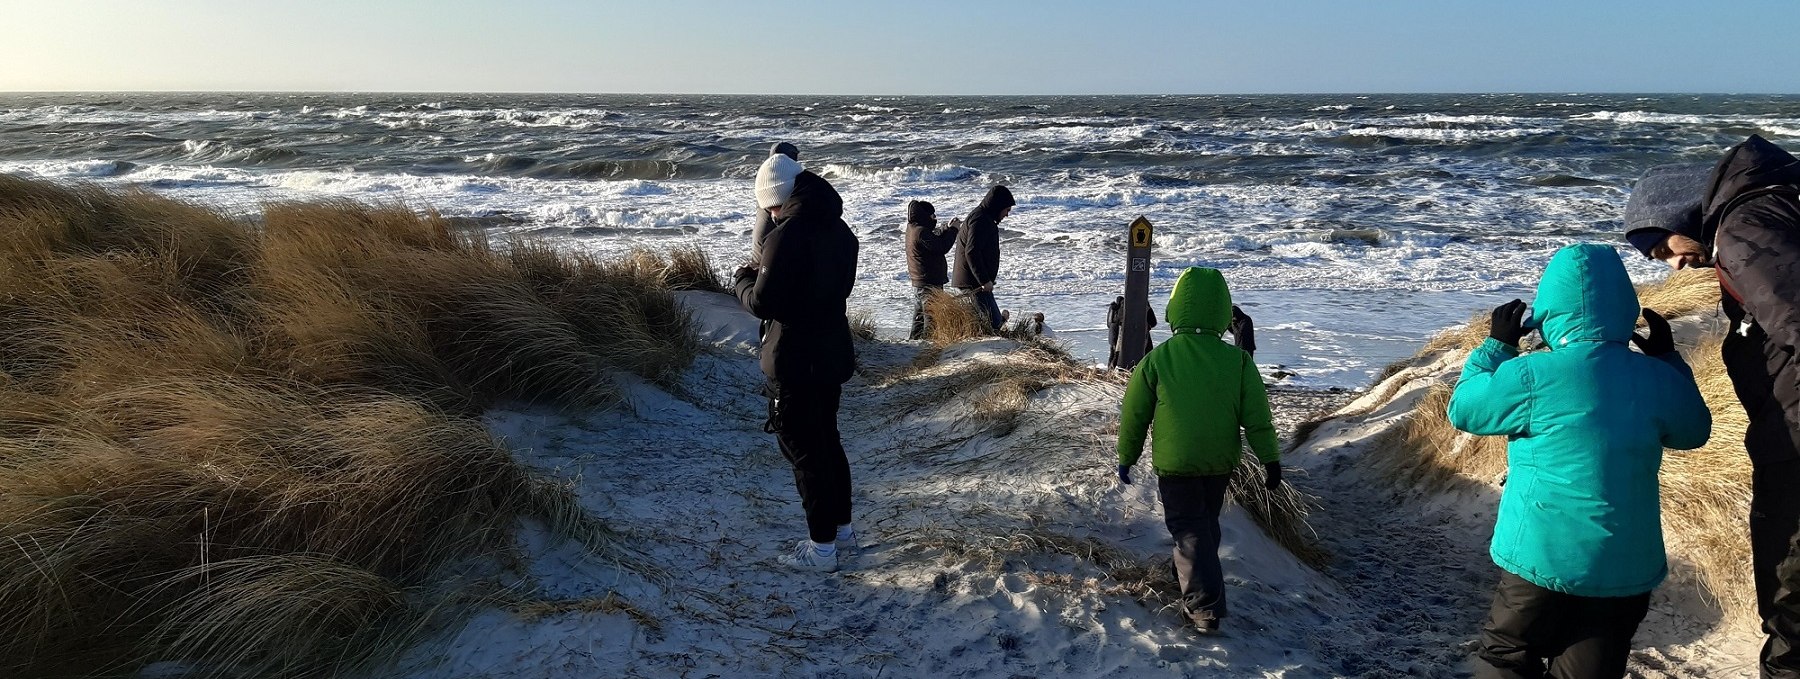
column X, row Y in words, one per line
column 910, row 47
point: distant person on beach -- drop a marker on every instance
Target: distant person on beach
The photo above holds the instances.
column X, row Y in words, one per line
column 764, row 222
column 978, row 252
column 1203, row 397
column 1579, row 536
column 806, row 274
column 1115, row 328
column 927, row 243
column 1742, row 217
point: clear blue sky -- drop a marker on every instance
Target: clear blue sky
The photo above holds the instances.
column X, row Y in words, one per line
column 907, row 47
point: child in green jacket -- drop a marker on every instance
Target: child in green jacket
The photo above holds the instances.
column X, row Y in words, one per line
column 1200, row 392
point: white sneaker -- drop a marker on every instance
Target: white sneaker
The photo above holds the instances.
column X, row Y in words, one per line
column 807, row 556
column 847, row 533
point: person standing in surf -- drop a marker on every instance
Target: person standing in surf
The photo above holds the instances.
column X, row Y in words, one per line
column 978, row 252
column 807, row 271
column 1579, row 536
column 1204, row 397
column 926, row 245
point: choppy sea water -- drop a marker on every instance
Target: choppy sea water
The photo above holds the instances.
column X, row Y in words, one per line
column 1352, row 227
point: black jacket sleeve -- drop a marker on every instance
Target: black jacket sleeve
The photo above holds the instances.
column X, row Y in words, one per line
column 1759, row 250
column 772, row 292
column 940, row 243
column 984, row 251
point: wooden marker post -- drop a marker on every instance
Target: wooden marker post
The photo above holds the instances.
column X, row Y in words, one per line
column 1133, row 331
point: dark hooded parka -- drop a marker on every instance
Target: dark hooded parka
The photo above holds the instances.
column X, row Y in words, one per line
column 927, row 244
column 808, row 269
column 1751, row 217
column 978, row 244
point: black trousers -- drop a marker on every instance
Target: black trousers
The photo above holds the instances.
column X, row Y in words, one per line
column 1191, row 506
column 921, row 293
column 1774, row 517
column 803, row 418
column 1534, row 632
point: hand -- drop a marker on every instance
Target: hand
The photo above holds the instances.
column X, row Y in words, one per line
column 745, row 271
column 1509, row 323
column 1271, row 475
column 1661, row 339
column 1125, row 474
column 1243, row 330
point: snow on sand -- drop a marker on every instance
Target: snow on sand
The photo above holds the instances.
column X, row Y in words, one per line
column 995, row 543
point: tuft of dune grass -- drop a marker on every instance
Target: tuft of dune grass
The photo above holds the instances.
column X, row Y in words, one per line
column 862, row 325
column 244, row 446
column 950, row 319
column 1705, row 492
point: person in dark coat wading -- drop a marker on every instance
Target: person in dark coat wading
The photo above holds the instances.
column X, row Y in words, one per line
column 807, row 269
column 978, row 252
column 926, row 245
column 1742, row 217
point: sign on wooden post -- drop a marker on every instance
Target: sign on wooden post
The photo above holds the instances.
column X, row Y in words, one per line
column 1134, row 331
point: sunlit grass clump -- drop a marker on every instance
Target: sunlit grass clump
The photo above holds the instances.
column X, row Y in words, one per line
column 242, row 446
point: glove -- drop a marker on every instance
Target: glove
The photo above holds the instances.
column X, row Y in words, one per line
column 1243, row 330
column 1509, row 323
column 744, row 272
column 1271, row 475
column 1125, row 474
column 1661, row 339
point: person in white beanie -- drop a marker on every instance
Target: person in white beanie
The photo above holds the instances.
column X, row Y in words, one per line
column 800, row 288
column 763, row 221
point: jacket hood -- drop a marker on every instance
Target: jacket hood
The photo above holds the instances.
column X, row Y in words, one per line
column 997, row 199
column 1585, row 296
column 813, row 198
column 1201, row 301
column 1665, row 200
column 1754, row 164
column 921, row 213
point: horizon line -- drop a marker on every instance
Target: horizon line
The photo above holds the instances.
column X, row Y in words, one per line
column 901, row 95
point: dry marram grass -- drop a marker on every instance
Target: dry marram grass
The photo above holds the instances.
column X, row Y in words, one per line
column 246, row 447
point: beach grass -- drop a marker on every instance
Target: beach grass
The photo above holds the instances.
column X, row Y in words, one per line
column 246, row 445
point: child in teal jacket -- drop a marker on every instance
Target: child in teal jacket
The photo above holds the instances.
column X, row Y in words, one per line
column 1579, row 534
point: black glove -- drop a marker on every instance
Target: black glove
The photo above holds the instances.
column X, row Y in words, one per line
column 1271, row 475
column 1125, row 474
column 1243, row 330
column 744, row 272
column 1661, row 339
column 1509, row 323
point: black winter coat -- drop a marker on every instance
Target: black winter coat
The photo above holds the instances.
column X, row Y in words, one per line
column 808, row 269
column 926, row 246
column 978, row 244
column 1752, row 215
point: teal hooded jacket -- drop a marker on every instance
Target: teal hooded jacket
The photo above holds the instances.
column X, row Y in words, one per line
column 1203, row 394
column 1586, row 423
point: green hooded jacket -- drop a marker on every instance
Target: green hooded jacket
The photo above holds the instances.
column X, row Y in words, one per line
column 1198, row 389
column 1586, row 423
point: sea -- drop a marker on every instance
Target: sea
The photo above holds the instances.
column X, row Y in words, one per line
column 1351, row 227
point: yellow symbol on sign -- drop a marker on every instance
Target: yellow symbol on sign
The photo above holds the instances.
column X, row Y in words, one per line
column 1140, row 233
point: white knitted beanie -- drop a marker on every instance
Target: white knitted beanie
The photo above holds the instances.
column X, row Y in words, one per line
column 775, row 180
